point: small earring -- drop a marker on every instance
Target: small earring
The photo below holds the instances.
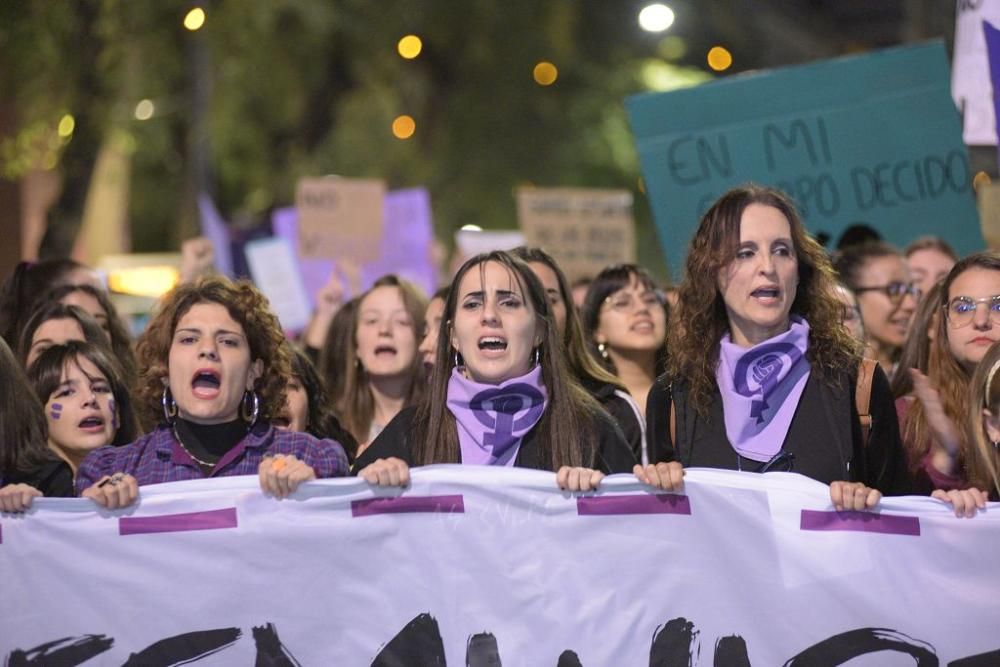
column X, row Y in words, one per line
column 255, row 410
column 996, row 445
column 538, row 355
column 603, row 349
column 457, row 360
column 169, row 405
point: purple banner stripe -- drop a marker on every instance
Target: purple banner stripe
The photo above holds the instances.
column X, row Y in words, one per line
column 177, row 523
column 408, row 505
column 865, row 522
column 661, row 503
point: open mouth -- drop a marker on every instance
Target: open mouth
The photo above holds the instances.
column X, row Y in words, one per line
column 205, row 384
column 92, row 423
column 282, row 421
column 385, row 349
column 765, row 293
column 642, row 326
column 493, row 343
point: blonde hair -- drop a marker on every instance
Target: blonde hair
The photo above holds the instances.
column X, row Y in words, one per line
column 983, row 459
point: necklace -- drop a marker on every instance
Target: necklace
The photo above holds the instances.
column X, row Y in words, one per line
column 210, row 464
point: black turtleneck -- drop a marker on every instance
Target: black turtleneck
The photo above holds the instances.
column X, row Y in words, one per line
column 209, row 442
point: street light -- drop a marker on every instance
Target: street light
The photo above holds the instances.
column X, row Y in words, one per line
column 656, row 17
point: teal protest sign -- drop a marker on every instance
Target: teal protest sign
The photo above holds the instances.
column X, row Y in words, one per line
column 871, row 139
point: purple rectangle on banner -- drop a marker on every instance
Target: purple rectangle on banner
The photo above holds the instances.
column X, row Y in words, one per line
column 177, row 523
column 864, row 522
column 661, row 503
column 401, row 505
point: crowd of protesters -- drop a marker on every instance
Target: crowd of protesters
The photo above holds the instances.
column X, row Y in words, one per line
column 870, row 369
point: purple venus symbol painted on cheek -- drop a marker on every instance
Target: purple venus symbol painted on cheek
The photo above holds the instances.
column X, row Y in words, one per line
column 56, row 411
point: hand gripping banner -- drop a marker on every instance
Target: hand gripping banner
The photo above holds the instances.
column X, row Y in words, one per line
column 482, row 566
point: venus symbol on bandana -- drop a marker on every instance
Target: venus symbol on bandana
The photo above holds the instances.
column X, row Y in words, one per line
column 758, row 372
column 496, row 409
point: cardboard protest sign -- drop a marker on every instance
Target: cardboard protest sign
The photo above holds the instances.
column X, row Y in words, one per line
column 341, row 219
column 970, row 74
column 584, row 230
column 872, row 139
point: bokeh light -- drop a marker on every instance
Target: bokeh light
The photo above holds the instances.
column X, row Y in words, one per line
column 194, row 19
column 719, row 58
column 66, row 125
column 410, row 47
column 403, row 127
column 144, row 110
column 656, row 18
column 545, row 73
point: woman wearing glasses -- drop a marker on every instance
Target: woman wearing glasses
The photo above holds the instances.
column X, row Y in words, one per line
column 936, row 445
column 878, row 276
column 762, row 374
column 625, row 326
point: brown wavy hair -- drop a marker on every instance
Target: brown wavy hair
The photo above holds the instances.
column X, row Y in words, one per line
column 246, row 305
column 566, row 429
column 694, row 346
column 356, row 405
column 982, row 461
column 945, row 373
column 23, row 427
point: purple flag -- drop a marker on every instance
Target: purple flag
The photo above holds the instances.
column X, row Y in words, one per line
column 215, row 229
column 993, row 56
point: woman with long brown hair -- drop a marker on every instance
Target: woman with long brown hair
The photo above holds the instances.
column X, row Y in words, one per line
column 383, row 373
column 595, row 378
column 968, row 324
column 499, row 393
column 762, row 374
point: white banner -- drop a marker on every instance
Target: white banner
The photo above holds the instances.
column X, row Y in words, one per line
column 479, row 566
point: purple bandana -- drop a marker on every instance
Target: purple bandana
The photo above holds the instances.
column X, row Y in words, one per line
column 492, row 419
column 761, row 387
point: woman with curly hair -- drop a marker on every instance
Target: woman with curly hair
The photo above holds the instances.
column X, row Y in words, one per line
column 214, row 372
column 762, row 374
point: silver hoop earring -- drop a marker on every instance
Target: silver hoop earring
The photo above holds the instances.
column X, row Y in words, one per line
column 538, row 355
column 457, row 360
column 169, row 405
column 603, row 349
column 996, row 445
column 254, row 412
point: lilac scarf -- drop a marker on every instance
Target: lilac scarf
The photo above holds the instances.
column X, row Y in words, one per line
column 492, row 419
column 761, row 387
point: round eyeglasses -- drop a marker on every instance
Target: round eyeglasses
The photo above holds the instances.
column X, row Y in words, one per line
column 962, row 309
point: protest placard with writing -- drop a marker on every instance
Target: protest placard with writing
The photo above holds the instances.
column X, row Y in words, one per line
column 585, row 230
column 872, row 139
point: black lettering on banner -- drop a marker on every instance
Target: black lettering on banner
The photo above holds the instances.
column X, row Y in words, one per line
column 569, row 659
column 319, row 198
column 814, row 193
column 673, row 644
column 482, row 651
column 731, row 652
column 817, row 150
column 65, row 652
column 183, row 648
column 417, row 645
column 853, row 644
column 270, row 651
column 693, row 160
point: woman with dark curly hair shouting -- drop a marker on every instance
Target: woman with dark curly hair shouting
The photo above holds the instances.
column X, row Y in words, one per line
column 761, row 374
